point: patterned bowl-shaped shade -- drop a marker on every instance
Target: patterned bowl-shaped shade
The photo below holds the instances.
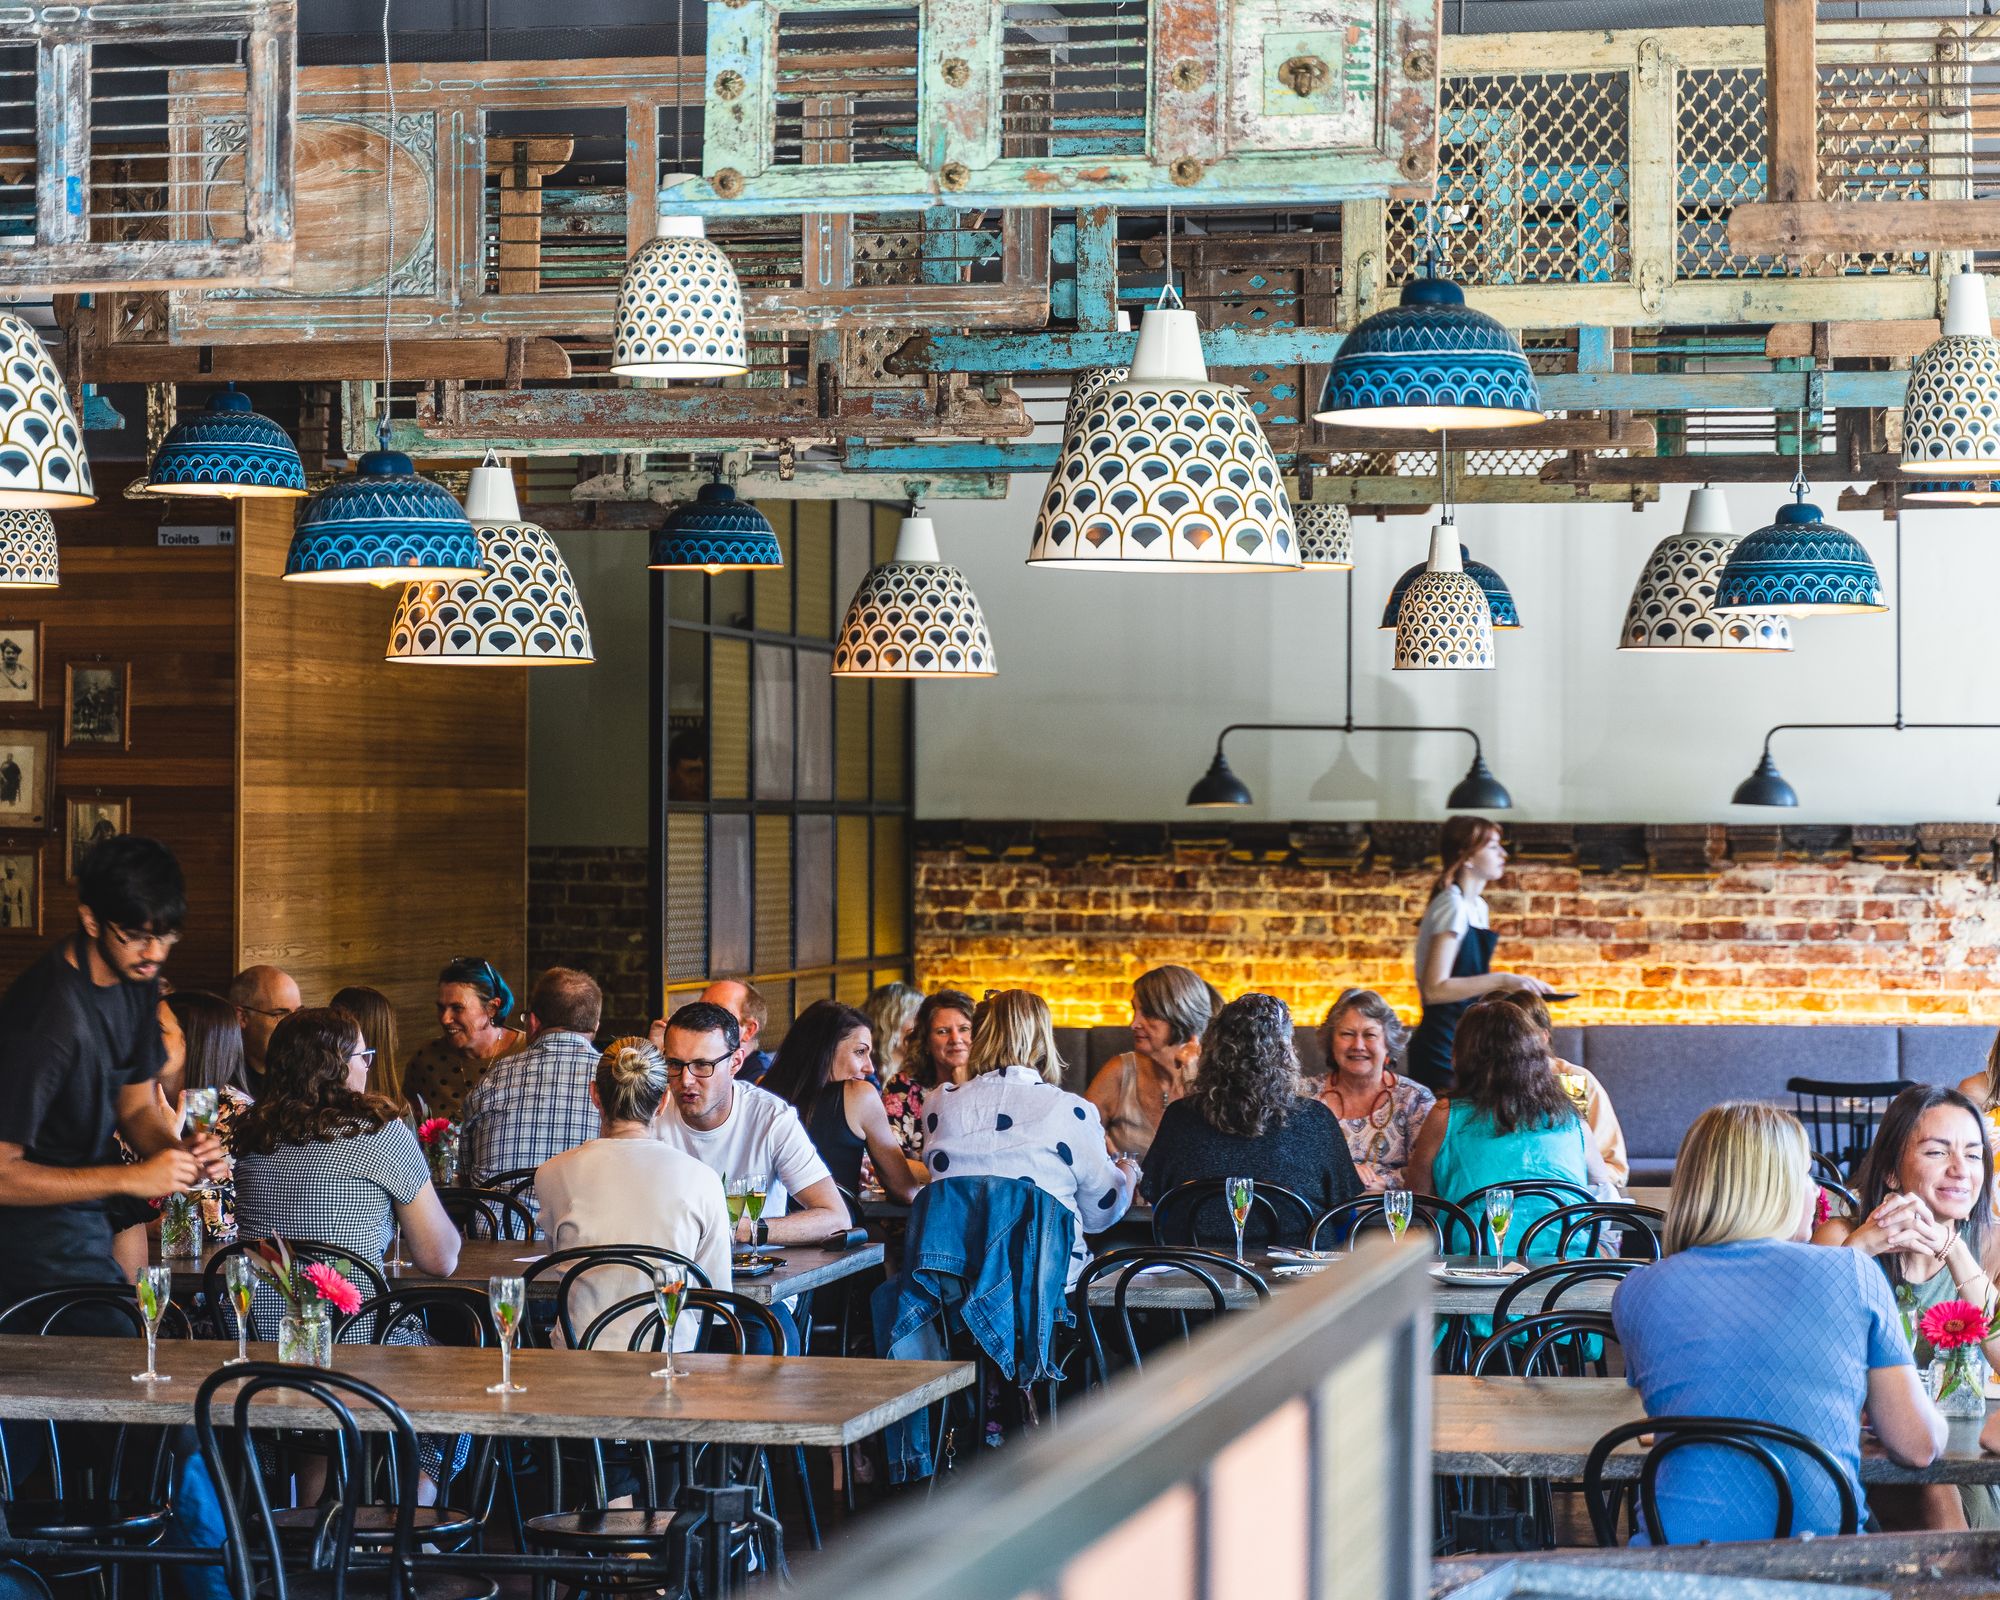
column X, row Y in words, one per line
column 521, row 611
column 680, row 313
column 41, row 445
column 1430, row 362
column 386, row 524
column 715, row 532
column 27, row 549
column 1951, row 414
column 1326, row 536
column 1951, row 492
column 1166, row 477
column 1499, row 598
column 227, row 452
column 1090, row 383
column 1799, row 565
column 1673, row 603
column 1444, row 624
column 914, row 619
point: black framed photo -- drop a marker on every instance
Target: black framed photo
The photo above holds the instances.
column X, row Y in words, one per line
column 20, row 891
column 97, row 697
column 88, row 823
column 24, row 778
column 20, row 664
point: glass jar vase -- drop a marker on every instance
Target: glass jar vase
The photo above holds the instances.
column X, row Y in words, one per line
column 305, row 1336
column 180, row 1228
column 443, row 1153
column 1957, row 1381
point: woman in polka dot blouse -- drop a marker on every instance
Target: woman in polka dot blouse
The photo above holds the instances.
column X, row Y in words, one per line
column 1011, row 1119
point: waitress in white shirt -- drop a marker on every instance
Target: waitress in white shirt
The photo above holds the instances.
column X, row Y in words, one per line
column 1455, row 945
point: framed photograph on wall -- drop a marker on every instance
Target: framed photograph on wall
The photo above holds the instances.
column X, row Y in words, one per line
column 20, row 664
column 88, row 822
column 97, row 697
column 20, row 891
column 24, row 778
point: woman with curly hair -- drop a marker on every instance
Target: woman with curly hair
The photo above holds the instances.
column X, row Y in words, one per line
column 1248, row 1115
column 318, row 1157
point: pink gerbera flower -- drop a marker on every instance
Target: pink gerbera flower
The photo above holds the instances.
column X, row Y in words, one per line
column 431, row 1127
column 333, row 1288
column 1953, row 1324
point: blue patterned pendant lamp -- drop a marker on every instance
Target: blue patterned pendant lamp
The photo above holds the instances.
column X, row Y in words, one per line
column 1444, row 622
column 521, row 611
column 914, row 617
column 1951, row 492
column 227, row 452
column 42, row 464
column 1951, row 414
column 1673, row 603
column 715, row 532
column 387, row 524
column 1499, row 598
column 1799, row 565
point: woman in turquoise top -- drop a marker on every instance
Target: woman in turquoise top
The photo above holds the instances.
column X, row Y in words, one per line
column 1508, row 1120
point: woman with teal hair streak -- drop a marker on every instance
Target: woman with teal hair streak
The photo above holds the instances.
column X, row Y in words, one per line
column 473, row 1004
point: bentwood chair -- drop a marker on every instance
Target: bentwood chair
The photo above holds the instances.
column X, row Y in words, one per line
column 1187, row 1208
column 514, row 1181
column 1188, row 1269
column 570, row 1266
column 1549, row 1344
column 363, row 1274
column 1452, row 1231
column 1741, row 1436
column 1841, row 1118
column 1545, row 1286
column 1581, row 1230
column 487, row 1213
column 1558, row 1191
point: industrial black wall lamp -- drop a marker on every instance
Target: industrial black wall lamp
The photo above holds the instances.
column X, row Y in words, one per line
column 1478, row 790
column 1767, row 786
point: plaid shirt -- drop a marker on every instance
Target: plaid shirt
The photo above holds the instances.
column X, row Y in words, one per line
column 530, row 1107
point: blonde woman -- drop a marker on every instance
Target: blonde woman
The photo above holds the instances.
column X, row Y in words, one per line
column 891, row 1010
column 1745, row 1319
column 1011, row 1119
column 1171, row 1007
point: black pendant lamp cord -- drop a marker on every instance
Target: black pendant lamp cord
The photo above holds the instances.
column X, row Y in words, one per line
column 389, row 206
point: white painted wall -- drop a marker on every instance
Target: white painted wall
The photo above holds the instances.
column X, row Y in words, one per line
column 1112, row 687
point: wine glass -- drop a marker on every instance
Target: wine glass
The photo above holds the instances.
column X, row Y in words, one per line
column 1396, row 1211
column 1239, row 1191
column 155, row 1286
column 202, row 1107
column 759, row 1186
column 1500, row 1217
column 395, row 1263
column 668, row 1292
column 241, row 1279
column 736, row 1194
column 508, row 1297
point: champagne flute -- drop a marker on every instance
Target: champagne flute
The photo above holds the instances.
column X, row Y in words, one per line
column 202, row 1107
column 759, row 1186
column 737, row 1196
column 1500, row 1217
column 668, row 1293
column 241, row 1278
column 1396, row 1210
column 1239, row 1191
column 155, row 1286
column 395, row 1263
column 508, row 1297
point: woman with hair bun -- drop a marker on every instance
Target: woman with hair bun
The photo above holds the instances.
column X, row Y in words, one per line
column 1455, row 945
column 473, row 1003
column 627, row 1187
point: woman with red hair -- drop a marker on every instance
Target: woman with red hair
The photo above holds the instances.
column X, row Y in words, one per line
column 1455, row 945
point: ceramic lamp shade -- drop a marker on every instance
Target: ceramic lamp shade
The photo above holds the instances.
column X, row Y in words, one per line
column 228, row 452
column 1951, row 412
column 1430, row 361
column 715, row 532
column 1090, row 383
column 521, row 611
column 1799, row 565
column 1444, row 623
column 27, row 549
column 914, row 617
column 1326, row 536
column 1499, row 598
column 42, row 463
column 385, row 524
column 680, row 309
column 1951, row 492
column 1673, row 603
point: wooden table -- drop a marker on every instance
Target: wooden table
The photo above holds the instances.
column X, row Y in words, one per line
column 806, row 1267
column 1176, row 1291
column 879, row 1207
column 758, row 1400
column 1545, row 1427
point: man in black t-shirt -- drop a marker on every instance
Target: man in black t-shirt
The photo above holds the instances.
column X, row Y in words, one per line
column 79, row 1049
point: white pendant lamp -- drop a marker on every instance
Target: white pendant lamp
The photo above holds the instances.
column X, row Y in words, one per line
column 27, row 549
column 521, row 611
column 1093, row 381
column 1326, row 536
column 1673, row 603
column 680, row 309
column 914, row 617
column 1444, row 622
column 1166, row 472
column 42, row 464
column 1951, row 414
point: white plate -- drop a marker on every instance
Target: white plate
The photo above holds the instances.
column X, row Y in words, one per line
column 1477, row 1277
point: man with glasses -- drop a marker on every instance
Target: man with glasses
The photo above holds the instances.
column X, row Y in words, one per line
column 263, row 998
column 738, row 1130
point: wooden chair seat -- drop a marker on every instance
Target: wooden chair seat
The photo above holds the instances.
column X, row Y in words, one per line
column 376, row 1525
column 626, row 1529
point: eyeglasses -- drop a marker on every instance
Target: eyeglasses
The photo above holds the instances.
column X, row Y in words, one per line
column 274, row 1011
column 698, row 1070
column 139, row 937
column 367, row 1056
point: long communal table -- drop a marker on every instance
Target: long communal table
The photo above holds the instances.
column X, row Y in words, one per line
column 1176, row 1291
column 1545, row 1427
column 749, row 1400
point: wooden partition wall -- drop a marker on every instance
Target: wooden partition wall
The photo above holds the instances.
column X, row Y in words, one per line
column 382, row 823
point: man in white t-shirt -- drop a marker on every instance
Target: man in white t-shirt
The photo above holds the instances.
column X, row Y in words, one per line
column 739, row 1130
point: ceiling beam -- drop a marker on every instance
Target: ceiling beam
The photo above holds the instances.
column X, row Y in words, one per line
column 1836, row 226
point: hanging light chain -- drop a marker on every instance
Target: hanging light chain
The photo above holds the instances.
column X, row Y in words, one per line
column 389, row 260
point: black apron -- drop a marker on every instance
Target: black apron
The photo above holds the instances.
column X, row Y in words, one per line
column 1429, row 1059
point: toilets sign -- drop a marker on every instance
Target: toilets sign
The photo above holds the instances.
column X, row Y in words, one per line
column 192, row 535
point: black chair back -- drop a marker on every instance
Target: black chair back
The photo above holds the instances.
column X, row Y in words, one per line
column 444, row 1313
column 1207, row 1270
column 1741, row 1435
column 1550, row 1344
column 1841, row 1118
column 1184, row 1210
column 726, row 1320
column 363, row 1274
column 515, row 1181
column 1543, row 1287
column 573, row 1264
column 1639, row 1229
column 1451, row 1229
column 487, row 1213
column 1559, row 1190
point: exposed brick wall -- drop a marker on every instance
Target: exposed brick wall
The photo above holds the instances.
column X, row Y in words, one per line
column 1683, row 924
column 587, row 908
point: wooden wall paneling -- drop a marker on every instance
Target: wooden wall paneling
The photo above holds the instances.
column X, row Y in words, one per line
column 170, row 613
column 383, row 808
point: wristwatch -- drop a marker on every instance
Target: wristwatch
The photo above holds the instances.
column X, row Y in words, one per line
column 762, row 1235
